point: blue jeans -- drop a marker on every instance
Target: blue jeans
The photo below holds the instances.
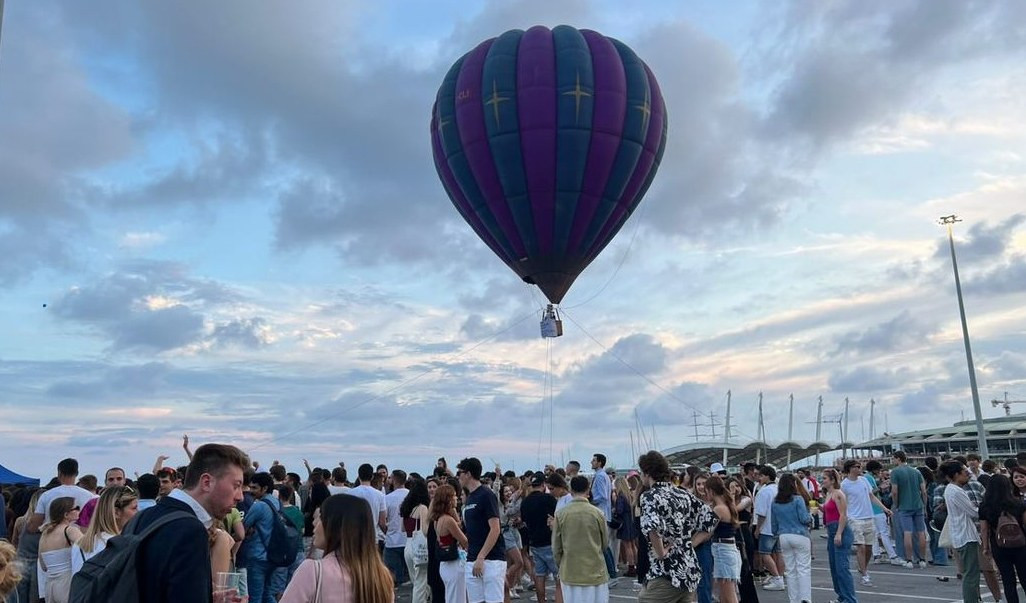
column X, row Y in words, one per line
column 610, row 566
column 258, row 579
column 705, row 562
column 939, row 555
column 840, row 563
column 395, row 560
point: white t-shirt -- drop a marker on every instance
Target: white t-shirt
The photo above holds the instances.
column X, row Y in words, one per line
column 333, row 490
column 79, row 557
column 375, row 499
column 395, row 537
column 764, row 507
column 564, row 500
column 857, row 492
column 81, row 496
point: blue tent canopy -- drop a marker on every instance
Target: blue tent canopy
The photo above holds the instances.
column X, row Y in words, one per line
column 9, row 477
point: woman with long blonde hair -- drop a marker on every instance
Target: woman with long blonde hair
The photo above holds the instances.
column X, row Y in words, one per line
column 28, row 552
column 115, row 508
column 352, row 569
column 626, row 533
column 55, row 548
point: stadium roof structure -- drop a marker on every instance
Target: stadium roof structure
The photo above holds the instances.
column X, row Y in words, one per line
column 1005, row 437
column 774, row 453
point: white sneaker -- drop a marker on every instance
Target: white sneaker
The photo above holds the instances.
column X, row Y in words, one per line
column 513, row 594
column 881, row 560
column 775, row 584
column 866, row 581
column 897, row 561
column 922, row 564
column 907, row 565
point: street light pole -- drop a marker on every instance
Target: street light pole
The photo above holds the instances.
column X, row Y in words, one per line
column 981, row 434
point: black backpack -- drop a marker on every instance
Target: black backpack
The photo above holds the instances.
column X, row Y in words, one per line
column 285, row 541
column 111, row 575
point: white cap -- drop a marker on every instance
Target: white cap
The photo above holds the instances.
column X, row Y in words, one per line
column 716, row 468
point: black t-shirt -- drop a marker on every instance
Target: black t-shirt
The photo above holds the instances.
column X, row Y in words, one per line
column 481, row 506
column 535, row 511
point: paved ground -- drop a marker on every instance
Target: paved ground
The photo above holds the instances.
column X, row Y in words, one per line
column 890, row 584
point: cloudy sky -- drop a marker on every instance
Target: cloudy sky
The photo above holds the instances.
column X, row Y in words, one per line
column 233, row 220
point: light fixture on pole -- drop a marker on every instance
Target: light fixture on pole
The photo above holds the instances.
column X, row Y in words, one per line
column 981, row 434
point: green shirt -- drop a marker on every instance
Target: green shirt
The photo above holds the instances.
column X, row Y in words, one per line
column 877, row 509
column 579, row 537
column 909, row 483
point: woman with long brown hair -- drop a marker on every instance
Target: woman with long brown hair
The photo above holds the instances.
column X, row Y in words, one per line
column 55, row 548
column 447, row 527
column 726, row 557
column 839, row 537
column 115, row 508
column 791, row 521
column 352, row 569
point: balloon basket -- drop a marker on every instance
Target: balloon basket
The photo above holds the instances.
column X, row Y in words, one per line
column 551, row 324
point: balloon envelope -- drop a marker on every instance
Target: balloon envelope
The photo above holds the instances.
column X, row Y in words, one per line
column 546, row 141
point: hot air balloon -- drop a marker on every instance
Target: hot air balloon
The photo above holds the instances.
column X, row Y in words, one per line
column 546, row 141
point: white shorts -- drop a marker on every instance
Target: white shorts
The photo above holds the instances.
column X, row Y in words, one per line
column 865, row 531
column 490, row 587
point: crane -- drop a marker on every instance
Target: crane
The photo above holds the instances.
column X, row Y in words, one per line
column 1007, row 404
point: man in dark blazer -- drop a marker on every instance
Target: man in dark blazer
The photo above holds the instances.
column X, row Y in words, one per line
column 174, row 562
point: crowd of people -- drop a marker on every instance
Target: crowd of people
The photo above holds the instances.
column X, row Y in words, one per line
column 468, row 536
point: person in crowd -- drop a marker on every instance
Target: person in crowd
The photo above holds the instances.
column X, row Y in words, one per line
column 395, row 536
column 535, row 511
column 59, row 533
column 339, row 481
column 627, row 534
column 1002, row 512
column 174, row 563
column 975, row 490
column 292, row 512
column 580, row 535
column 908, row 491
column 435, row 583
column 573, row 469
column 67, row 474
column 414, row 511
column 115, row 477
column 352, row 570
column 860, row 498
column 704, row 550
column 259, row 523
column 962, row 517
column 318, row 494
column 11, row 570
column 116, row 507
column 1018, row 475
column 510, row 518
column 769, row 546
column 791, row 521
column 374, row 497
column 558, row 487
column 744, row 539
column 486, row 557
column 28, row 553
column 446, row 525
column 972, row 462
column 726, row 555
column 148, row 488
column 839, row 537
column 673, row 521
column 883, row 529
column 382, row 474
column 167, row 477
column 602, row 497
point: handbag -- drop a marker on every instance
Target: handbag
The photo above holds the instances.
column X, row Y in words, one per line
column 419, row 546
column 450, row 552
column 944, row 540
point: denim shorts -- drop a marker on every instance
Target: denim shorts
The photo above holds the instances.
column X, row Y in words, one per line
column 511, row 539
column 912, row 521
column 768, row 544
column 544, row 562
column 726, row 561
